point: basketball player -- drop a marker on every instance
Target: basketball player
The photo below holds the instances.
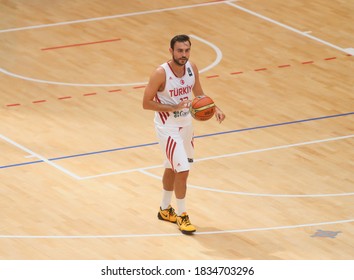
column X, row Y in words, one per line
column 169, row 93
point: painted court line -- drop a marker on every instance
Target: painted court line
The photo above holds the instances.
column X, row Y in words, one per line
column 305, row 34
column 35, row 80
column 231, row 231
column 278, row 147
column 110, row 17
column 199, row 136
column 4, row 71
column 217, row 60
column 144, row 235
column 214, row 47
column 137, row 84
column 217, row 190
column 79, row 45
column 42, row 159
column 56, row 166
column 224, row 156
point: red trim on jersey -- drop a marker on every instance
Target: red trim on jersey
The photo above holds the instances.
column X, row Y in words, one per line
column 163, row 115
column 184, row 70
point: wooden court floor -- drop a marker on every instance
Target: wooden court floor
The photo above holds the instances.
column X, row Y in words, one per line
column 80, row 168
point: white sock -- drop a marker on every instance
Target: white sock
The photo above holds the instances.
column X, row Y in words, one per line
column 166, row 199
column 181, row 206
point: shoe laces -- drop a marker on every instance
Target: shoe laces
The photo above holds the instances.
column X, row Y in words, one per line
column 185, row 219
column 171, row 211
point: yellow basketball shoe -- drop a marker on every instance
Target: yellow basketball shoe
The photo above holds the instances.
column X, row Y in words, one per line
column 167, row 214
column 184, row 224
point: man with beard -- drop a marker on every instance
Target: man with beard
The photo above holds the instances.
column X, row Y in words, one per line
column 169, row 93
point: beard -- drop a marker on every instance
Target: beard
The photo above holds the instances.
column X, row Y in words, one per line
column 182, row 61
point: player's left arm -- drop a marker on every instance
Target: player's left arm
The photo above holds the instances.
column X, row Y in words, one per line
column 198, row 90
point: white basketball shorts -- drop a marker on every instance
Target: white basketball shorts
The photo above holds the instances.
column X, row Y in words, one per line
column 177, row 146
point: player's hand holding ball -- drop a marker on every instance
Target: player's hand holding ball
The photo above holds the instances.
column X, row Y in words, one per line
column 203, row 108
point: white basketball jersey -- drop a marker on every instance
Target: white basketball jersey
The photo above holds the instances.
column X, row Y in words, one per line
column 176, row 90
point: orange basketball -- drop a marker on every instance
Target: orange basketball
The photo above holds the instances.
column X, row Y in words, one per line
column 202, row 108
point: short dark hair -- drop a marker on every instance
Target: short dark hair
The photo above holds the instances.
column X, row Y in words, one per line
column 180, row 38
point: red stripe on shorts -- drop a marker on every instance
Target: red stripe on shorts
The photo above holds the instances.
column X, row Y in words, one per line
column 170, row 149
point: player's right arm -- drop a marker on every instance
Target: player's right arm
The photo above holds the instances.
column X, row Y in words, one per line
column 155, row 84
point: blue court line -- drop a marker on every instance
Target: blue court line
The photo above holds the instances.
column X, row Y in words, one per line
column 277, row 124
column 200, row 136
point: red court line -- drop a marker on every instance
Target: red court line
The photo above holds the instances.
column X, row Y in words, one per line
column 213, row 76
column 307, row 62
column 143, row 86
column 79, row 45
column 64, row 97
column 39, row 101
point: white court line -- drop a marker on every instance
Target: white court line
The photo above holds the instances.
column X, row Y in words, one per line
column 258, row 151
column 14, row 75
column 350, row 51
column 39, row 156
column 305, row 34
column 144, row 235
column 143, row 170
column 254, row 194
column 197, row 233
column 121, row 172
column 279, row 147
column 214, row 47
column 216, row 61
column 6, row 72
column 109, row 17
